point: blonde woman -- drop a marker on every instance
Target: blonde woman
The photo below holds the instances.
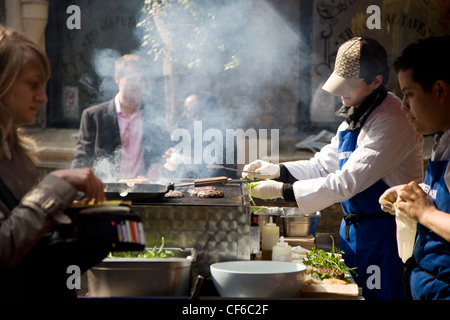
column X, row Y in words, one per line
column 29, row 208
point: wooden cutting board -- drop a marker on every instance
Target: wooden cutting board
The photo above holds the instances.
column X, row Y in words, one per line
column 330, row 291
column 305, row 242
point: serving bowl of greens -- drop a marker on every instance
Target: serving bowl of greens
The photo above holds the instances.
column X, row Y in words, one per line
column 154, row 272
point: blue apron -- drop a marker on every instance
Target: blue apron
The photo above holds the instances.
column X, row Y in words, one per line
column 430, row 276
column 368, row 235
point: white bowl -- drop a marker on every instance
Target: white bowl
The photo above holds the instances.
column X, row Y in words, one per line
column 258, row 279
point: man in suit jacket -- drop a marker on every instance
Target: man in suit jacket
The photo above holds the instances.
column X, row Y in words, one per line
column 123, row 137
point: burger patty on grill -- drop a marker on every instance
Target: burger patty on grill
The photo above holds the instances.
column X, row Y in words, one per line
column 206, row 192
column 210, row 194
column 174, row 194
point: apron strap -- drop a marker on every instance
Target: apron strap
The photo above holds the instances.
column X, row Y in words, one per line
column 354, row 219
column 408, row 266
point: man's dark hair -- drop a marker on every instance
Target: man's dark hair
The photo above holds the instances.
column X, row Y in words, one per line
column 429, row 60
column 374, row 61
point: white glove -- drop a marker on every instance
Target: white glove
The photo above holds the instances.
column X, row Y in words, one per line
column 268, row 189
column 405, row 225
column 266, row 170
column 388, row 199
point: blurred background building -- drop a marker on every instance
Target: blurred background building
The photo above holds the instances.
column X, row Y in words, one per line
column 263, row 60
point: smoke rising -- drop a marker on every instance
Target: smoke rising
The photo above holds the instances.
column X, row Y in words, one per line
column 240, row 52
column 103, row 62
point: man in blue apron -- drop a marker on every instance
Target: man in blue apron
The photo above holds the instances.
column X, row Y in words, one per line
column 374, row 148
column 424, row 77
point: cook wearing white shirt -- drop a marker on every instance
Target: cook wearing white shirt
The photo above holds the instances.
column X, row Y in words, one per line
column 374, row 148
column 388, row 149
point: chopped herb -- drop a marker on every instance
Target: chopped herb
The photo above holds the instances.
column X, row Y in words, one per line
column 250, row 186
column 320, row 259
column 146, row 254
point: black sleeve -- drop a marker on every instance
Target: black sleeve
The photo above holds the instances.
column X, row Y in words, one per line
column 288, row 192
column 285, row 175
column 84, row 155
column 288, row 179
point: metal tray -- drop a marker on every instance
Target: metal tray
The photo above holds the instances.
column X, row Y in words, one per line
column 142, row 277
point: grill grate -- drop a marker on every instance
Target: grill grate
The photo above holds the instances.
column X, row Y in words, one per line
column 234, row 194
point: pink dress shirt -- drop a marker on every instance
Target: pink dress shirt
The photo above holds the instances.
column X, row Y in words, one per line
column 130, row 127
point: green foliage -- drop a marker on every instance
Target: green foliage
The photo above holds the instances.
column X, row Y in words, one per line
column 186, row 32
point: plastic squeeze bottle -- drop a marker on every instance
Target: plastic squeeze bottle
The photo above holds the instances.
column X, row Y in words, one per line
column 282, row 251
column 270, row 235
column 255, row 236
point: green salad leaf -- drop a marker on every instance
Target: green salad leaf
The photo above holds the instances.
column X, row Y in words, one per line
column 154, row 252
column 250, row 186
column 320, row 259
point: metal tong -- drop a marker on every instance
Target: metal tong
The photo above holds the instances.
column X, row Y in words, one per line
column 218, row 166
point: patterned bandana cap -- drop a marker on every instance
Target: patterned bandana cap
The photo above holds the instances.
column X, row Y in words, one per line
column 347, row 60
column 346, row 74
